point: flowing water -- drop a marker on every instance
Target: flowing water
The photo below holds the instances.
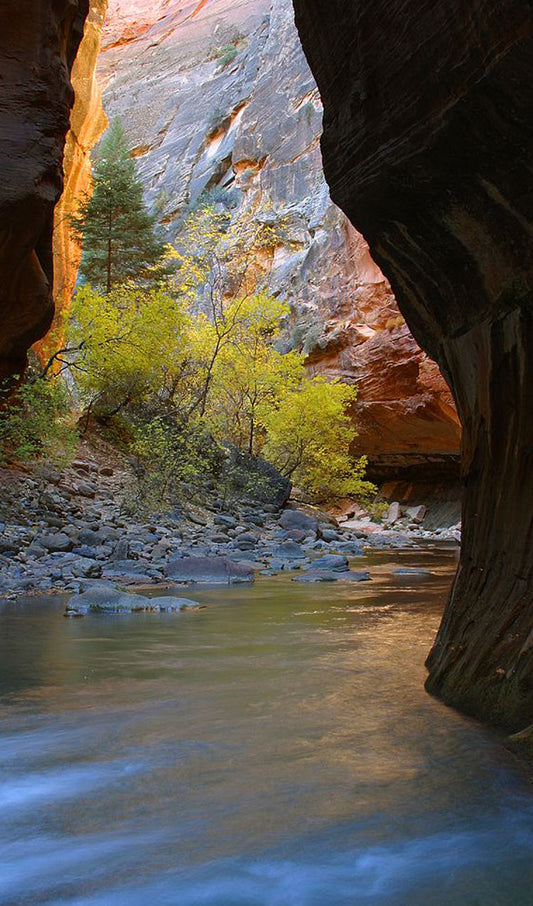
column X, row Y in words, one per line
column 274, row 749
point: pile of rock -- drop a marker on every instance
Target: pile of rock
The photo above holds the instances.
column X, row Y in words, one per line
column 62, row 530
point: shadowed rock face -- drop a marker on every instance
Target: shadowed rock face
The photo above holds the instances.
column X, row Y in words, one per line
column 428, row 149
column 38, row 43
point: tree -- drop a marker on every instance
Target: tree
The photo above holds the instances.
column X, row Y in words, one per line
column 128, row 347
column 250, row 375
column 196, row 367
column 308, row 438
column 117, row 232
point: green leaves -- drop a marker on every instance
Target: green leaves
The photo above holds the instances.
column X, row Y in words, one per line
column 116, row 231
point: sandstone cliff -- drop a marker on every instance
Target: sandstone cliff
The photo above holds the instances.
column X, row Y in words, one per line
column 439, row 182
column 87, row 123
column 217, row 96
column 39, row 40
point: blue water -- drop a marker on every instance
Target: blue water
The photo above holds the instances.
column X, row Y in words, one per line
column 274, row 749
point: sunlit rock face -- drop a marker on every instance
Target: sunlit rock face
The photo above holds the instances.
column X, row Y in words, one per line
column 428, row 150
column 250, row 130
column 38, row 44
column 87, row 122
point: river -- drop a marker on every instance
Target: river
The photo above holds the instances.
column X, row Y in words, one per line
column 276, row 748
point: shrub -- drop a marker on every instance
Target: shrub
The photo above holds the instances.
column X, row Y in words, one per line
column 35, row 421
column 226, row 55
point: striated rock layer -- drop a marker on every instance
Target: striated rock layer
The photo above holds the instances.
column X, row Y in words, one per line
column 38, row 44
column 246, row 126
column 428, row 149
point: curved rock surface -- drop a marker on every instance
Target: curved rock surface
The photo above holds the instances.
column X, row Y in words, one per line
column 248, row 130
column 427, row 148
column 38, row 44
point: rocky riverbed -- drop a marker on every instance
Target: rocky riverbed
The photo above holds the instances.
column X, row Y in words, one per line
column 68, row 530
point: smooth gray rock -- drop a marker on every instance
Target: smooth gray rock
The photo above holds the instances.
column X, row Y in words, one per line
column 316, row 576
column 288, row 550
column 224, row 519
column 85, row 568
column 294, row 520
column 336, row 562
column 114, row 601
column 56, row 542
column 208, row 570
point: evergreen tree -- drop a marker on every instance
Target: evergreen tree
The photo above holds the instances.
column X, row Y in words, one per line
column 117, row 232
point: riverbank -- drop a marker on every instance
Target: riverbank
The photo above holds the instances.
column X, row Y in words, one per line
column 64, row 530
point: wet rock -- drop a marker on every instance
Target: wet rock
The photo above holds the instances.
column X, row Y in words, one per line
column 129, row 571
column 407, row 573
column 353, row 575
column 209, row 570
column 355, row 548
column 115, row 601
column 336, row 562
column 316, row 576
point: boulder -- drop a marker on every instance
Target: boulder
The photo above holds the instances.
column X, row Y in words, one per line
column 416, row 513
column 393, row 513
column 288, row 550
column 89, row 537
column 121, row 550
column 208, row 570
column 114, row 601
column 84, row 567
column 316, row 576
column 294, row 520
column 336, row 562
column 225, row 520
column 58, row 542
column 254, row 478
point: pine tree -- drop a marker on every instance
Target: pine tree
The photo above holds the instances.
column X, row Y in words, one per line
column 117, row 232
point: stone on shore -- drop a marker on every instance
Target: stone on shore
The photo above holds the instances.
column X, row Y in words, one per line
column 209, row 570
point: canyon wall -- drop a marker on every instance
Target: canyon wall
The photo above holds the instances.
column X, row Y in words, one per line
column 428, row 148
column 39, row 40
column 87, row 123
column 217, row 97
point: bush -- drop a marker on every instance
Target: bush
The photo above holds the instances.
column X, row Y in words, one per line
column 226, row 55
column 35, row 422
column 172, row 464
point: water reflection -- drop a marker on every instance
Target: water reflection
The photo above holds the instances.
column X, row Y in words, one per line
column 276, row 748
